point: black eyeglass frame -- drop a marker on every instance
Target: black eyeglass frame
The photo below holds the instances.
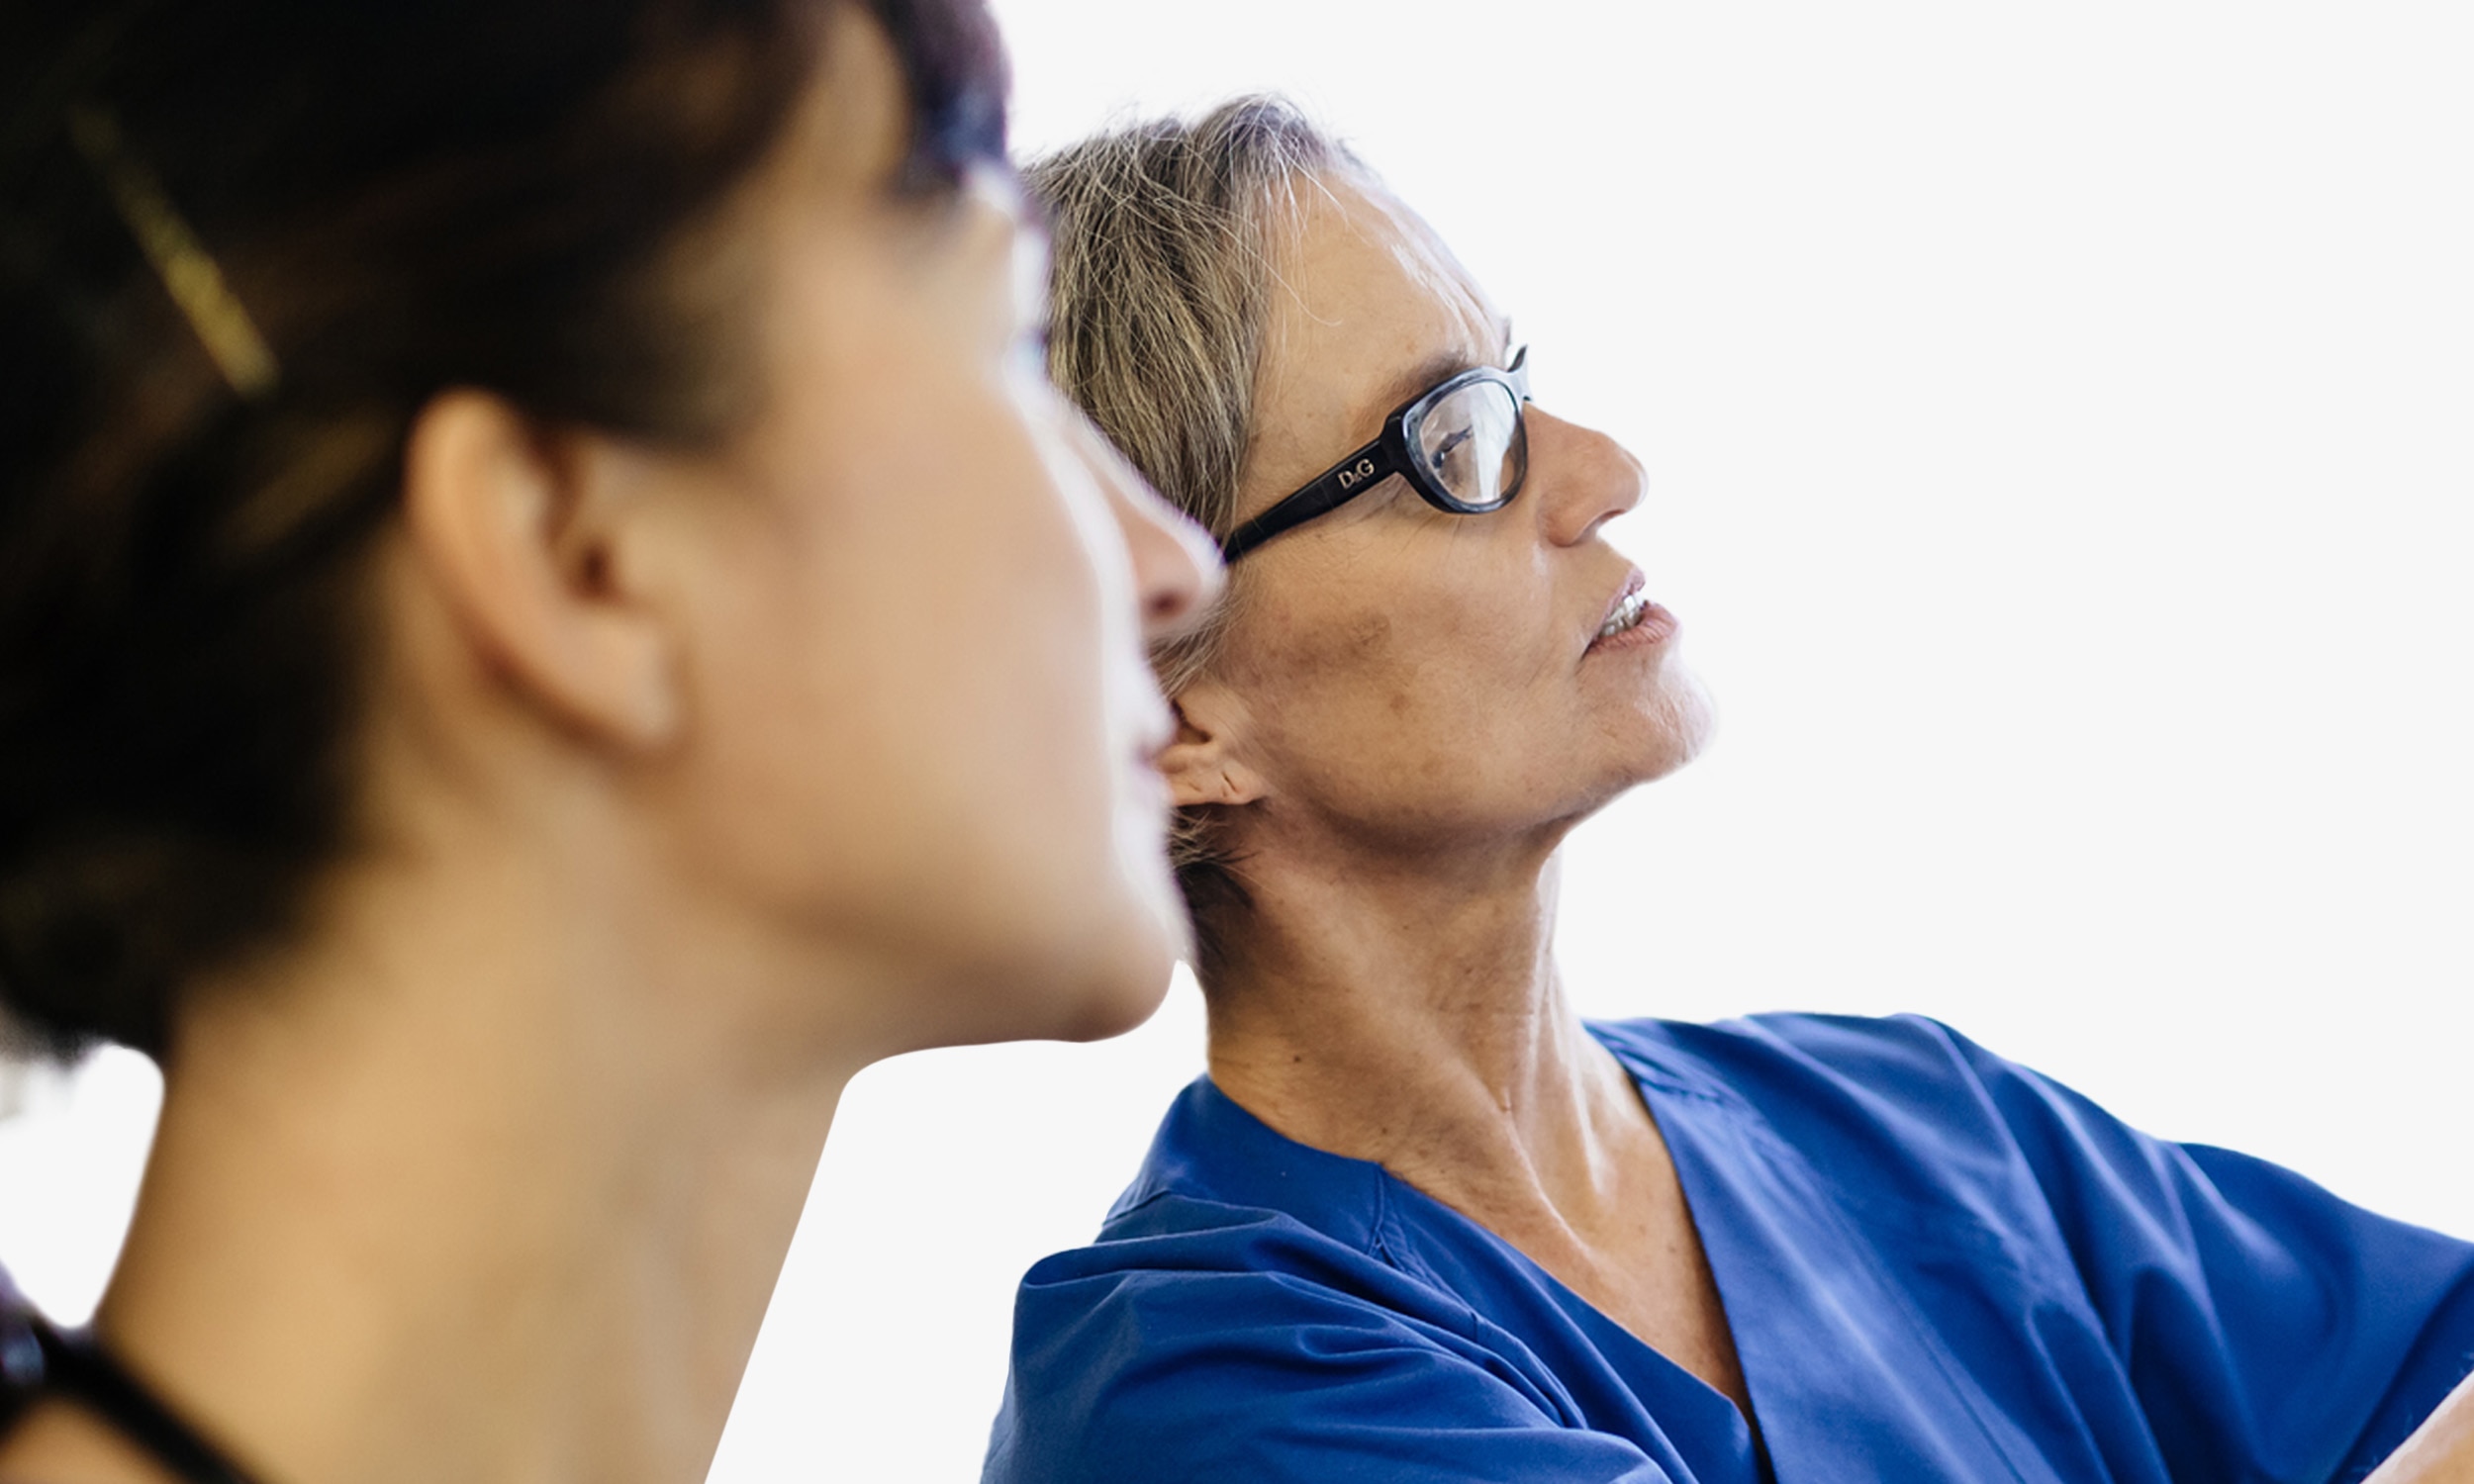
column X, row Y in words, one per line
column 1393, row 452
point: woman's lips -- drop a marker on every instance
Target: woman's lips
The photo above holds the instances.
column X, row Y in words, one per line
column 1641, row 621
column 1654, row 627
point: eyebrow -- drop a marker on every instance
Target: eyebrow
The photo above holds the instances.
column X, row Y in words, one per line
column 1434, row 371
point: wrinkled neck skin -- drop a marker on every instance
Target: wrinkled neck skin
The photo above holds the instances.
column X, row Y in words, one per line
column 1402, row 1007
column 1405, row 1008
column 460, row 1190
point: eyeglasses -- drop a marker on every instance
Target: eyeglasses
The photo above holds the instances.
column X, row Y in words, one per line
column 1462, row 446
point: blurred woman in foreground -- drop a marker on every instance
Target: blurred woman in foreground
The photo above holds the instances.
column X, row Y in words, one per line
column 546, row 618
column 1419, row 1222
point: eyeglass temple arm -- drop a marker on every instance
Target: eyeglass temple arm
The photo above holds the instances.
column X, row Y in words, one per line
column 1340, row 483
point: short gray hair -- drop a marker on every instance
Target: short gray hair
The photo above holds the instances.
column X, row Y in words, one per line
column 1164, row 235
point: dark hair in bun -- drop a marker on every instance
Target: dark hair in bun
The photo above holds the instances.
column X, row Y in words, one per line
column 394, row 199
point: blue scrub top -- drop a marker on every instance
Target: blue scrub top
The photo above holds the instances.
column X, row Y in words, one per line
column 1937, row 1266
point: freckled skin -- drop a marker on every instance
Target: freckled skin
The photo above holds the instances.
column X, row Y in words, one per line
column 1405, row 718
column 1416, row 675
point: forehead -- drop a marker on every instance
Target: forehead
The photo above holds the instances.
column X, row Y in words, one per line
column 836, row 202
column 1364, row 297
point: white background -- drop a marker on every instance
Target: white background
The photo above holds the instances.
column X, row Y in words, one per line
column 2060, row 425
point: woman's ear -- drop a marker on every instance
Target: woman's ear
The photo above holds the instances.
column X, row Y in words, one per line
column 523, row 531
column 1201, row 764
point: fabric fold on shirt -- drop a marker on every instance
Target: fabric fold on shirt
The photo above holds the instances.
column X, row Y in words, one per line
column 1935, row 1264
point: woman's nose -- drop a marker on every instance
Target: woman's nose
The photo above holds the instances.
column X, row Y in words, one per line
column 1176, row 567
column 1586, row 478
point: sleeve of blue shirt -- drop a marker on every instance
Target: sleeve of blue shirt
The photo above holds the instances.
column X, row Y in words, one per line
column 1146, row 1369
column 2270, row 1329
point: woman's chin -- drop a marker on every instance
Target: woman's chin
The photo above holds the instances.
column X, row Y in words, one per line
column 1097, row 990
column 1680, row 722
column 1103, row 970
column 1108, row 989
column 1675, row 738
column 1126, row 1004
column 1128, row 983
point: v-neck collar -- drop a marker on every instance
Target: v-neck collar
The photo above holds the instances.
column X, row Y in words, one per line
column 1366, row 1206
column 1842, row 1369
column 1832, row 1348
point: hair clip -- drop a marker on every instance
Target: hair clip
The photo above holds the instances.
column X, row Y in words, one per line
column 188, row 271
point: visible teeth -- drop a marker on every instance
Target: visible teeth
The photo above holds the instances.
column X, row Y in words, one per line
column 1627, row 613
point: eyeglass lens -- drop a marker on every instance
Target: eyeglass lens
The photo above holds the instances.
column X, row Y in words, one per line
column 1470, row 441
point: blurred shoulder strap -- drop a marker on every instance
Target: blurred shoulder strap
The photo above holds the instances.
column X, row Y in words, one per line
column 39, row 1362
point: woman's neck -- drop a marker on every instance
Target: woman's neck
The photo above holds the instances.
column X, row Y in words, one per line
column 1413, row 1016
column 457, row 1195
column 1410, row 1014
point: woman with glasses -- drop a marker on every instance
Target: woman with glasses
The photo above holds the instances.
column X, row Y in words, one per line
column 1420, row 1222
column 546, row 618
